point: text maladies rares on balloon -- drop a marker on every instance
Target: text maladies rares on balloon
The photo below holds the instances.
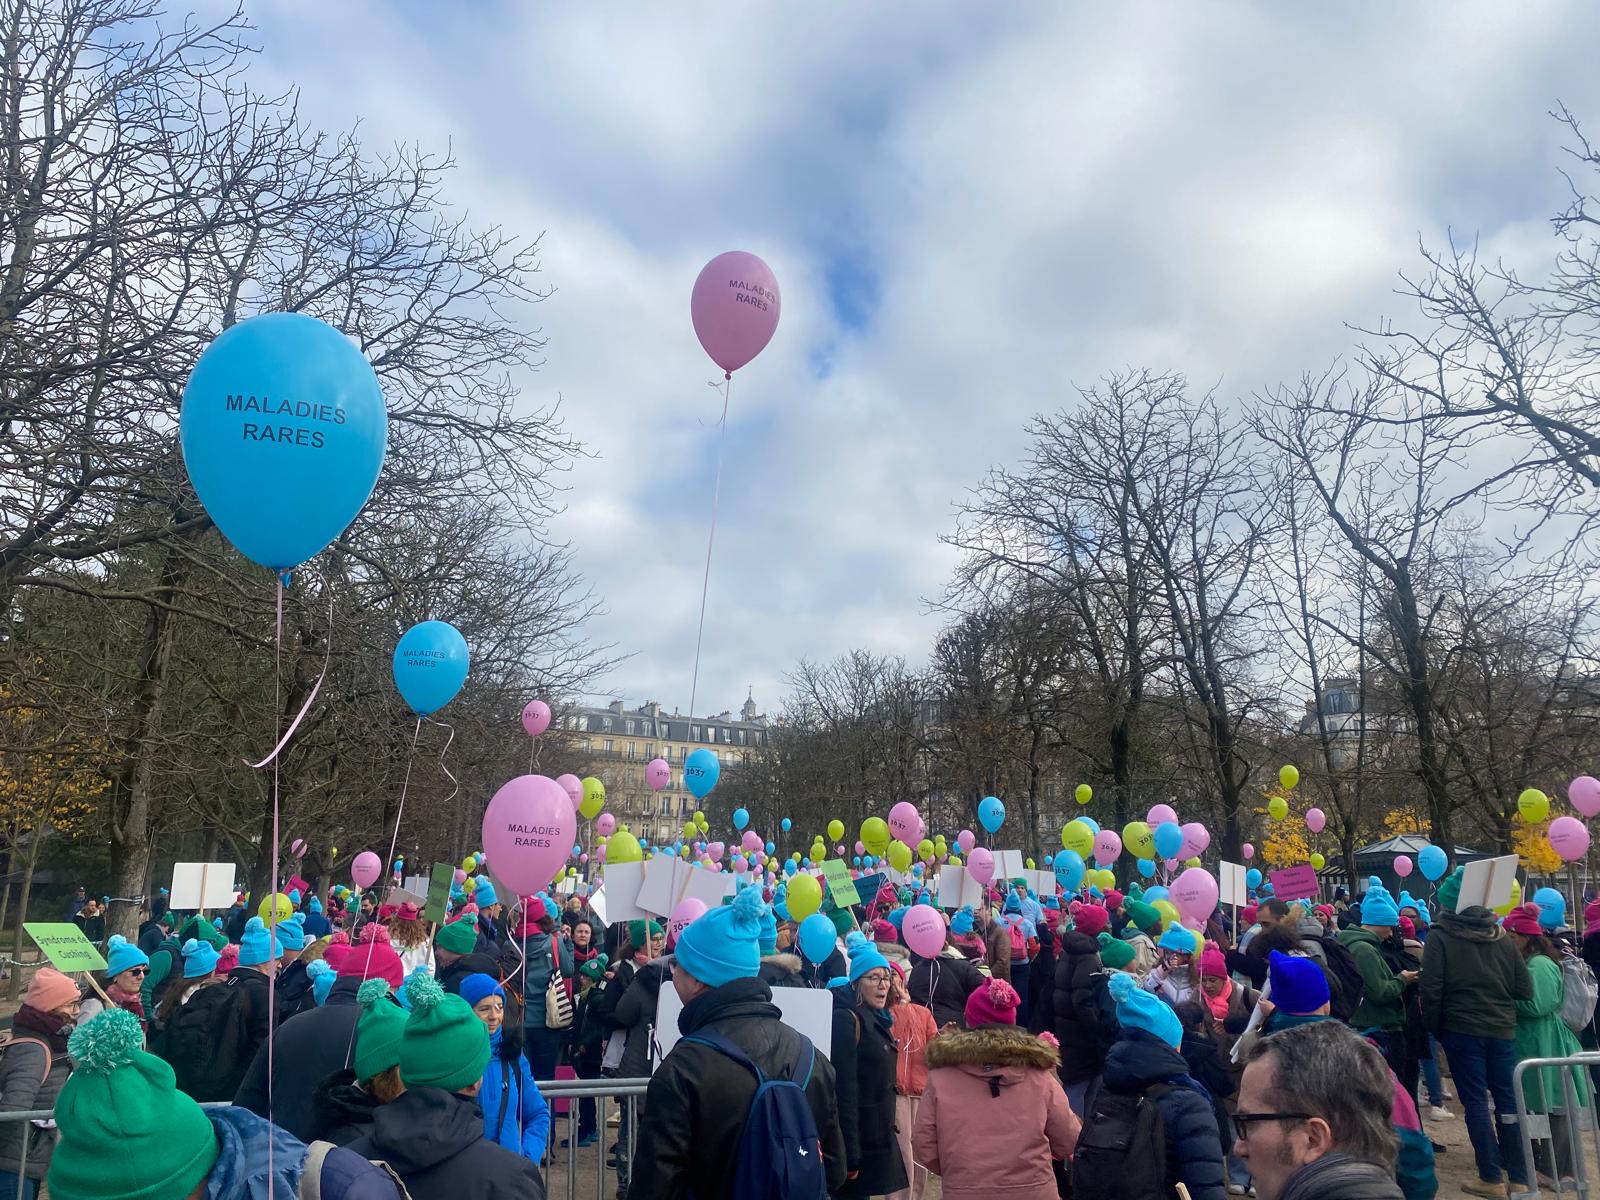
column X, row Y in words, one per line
column 304, row 410
column 534, row 835
column 753, row 293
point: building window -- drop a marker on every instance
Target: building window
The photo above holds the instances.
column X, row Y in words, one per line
column 727, row 737
column 605, row 724
column 649, row 750
column 742, row 741
column 630, row 750
column 683, row 806
column 666, row 753
column 610, row 747
column 694, row 733
column 587, row 745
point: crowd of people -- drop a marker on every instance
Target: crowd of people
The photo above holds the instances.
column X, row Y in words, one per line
column 1086, row 1046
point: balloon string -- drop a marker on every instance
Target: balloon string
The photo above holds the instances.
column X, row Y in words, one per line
column 272, row 902
column 316, row 687
column 711, row 537
column 455, row 784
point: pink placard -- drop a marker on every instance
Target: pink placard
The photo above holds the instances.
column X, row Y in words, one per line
column 1295, row 883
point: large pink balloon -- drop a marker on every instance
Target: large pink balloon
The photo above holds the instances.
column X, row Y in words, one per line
column 735, row 308
column 1316, row 819
column 904, row 823
column 366, row 868
column 1402, row 865
column 1196, row 838
column 687, row 911
column 528, row 830
column 751, row 840
column 1194, row 893
column 923, row 930
column 1569, row 838
column 573, row 787
column 965, row 840
column 980, row 864
column 1584, row 792
column 715, row 851
column 536, row 717
column 656, row 773
column 605, row 824
column 1160, row 814
column 1107, row 845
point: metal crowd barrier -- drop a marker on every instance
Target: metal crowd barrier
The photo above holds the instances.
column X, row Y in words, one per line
column 1563, row 1138
column 565, row 1094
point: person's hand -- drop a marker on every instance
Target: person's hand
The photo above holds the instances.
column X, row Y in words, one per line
column 1267, row 1007
column 1409, row 976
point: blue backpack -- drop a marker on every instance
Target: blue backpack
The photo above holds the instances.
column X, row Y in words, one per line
column 780, row 1155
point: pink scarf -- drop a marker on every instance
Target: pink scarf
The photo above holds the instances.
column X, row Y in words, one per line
column 1219, row 1003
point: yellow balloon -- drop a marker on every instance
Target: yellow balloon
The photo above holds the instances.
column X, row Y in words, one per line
column 1516, row 898
column 1168, row 911
column 796, row 856
column 1078, row 837
column 469, row 863
column 1289, row 775
column 594, row 799
column 469, row 885
column 1104, row 877
column 284, row 906
column 925, row 849
column 1030, row 864
column 805, row 896
column 683, row 852
column 1533, row 805
column 1278, row 807
column 874, row 836
column 899, row 855
column 623, row 847
column 1137, row 840
column 689, row 830
column 955, row 860
column 835, row 832
column 333, row 854
column 1317, row 860
column 1083, row 793
column 1191, row 862
column 699, row 816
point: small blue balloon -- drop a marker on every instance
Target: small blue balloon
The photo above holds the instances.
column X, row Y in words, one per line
column 700, row 772
column 741, row 818
column 1433, row 862
column 430, row 665
column 855, row 860
column 1151, row 895
column 817, row 937
column 1090, row 822
column 1168, row 839
column 283, row 432
column 916, row 870
column 786, row 824
column 1252, row 878
column 770, row 848
column 576, row 849
column 1069, row 869
column 804, row 862
column 991, row 813
column 788, row 866
column 1147, row 868
column 644, row 841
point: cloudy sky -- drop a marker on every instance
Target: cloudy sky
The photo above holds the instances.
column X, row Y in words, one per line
column 971, row 208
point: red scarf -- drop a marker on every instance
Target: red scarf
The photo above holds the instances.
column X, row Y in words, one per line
column 127, row 1000
column 1219, row 1003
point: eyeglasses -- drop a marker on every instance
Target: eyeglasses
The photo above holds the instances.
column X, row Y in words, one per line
column 876, row 978
column 138, row 970
column 1243, row 1121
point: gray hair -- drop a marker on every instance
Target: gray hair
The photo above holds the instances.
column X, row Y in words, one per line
column 1327, row 1069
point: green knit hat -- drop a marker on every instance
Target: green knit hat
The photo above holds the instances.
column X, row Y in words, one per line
column 638, row 938
column 1114, row 954
column 458, row 937
column 1450, row 890
column 379, row 1030
column 843, row 920
column 127, row 1133
column 203, row 930
column 444, row 1044
column 1141, row 914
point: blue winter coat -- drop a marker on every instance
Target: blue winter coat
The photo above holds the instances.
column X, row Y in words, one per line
column 527, row 1125
column 241, row 1171
column 1194, row 1144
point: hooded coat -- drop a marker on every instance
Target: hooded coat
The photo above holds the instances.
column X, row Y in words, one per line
column 782, row 970
column 1472, row 976
column 698, row 1097
column 1194, row 1145
column 635, row 1011
column 1383, row 1003
column 245, row 1171
column 433, row 1139
column 341, row 1111
column 508, row 1079
column 1077, row 1023
column 943, row 984
column 864, row 1063
column 1001, row 1080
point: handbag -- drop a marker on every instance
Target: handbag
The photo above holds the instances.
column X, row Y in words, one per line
column 557, row 1004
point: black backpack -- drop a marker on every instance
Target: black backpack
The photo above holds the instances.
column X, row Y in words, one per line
column 204, row 1042
column 1122, row 1150
column 1346, row 988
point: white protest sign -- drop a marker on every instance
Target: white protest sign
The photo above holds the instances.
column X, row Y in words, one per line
column 805, row 1010
column 622, row 884
column 708, row 887
column 1231, row 887
column 1042, row 882
column 201, row 885
column 1487, row 883
column 665, row 877
column 1007, row 866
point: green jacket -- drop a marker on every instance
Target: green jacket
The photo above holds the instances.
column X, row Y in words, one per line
column 1382, row 992
column 1541, row 1033
column 1472, row 976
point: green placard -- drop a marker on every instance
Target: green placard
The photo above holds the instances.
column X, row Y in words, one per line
column 839, row 882
column 439, row 885
column 65, row 946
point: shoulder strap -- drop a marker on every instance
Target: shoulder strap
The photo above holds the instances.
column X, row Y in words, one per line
column 726, row 1046
column 505, row 1097
column 49, row 1059
column 311, row 1171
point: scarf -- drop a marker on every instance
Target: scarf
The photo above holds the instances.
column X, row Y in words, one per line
column 1340, row 1177
column 49, row 1028
column 127, row 1000
column 1218, row 1004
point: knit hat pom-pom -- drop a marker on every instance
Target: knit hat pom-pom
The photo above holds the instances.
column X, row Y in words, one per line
column 424, row 992
column 1122, row 985
column 373, row 991
column 373, row 932
column 320, row 968
column 107, row 1041
column 115, row 940
column 855, row 942
column 1002, row 994
column 748, row 907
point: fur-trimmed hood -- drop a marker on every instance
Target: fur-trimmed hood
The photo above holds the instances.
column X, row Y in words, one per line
column 895, row 952
column 784, row 961
column 992, row 1049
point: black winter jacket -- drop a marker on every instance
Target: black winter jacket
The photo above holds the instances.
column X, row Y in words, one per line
column 942, row 985
column 864, row 1059
column 782, row 970
column 257, row 994
column 636, row 1012
column 1042, row 986
column 698, row 1097
column 294, row 990
column 1207, row 1068
column 1194, row 1145
column 1077, row 1024
column 340, row 1111
column 434, row 1141
column 468, row 964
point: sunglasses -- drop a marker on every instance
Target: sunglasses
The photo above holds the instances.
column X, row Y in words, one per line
column 138, row 970
column 1243, row 1121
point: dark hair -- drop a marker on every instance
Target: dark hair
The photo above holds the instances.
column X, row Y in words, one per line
column 1329, row 1070
column 1537, row 943
column 1274, row 937
column 1190, row 1015
column 1278, row 908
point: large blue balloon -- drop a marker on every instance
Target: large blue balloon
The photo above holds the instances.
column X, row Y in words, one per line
column 1433, row 862
column 1252, row 878
column 1168, row 838
column 991, row 813
column 741, row 818
column 1069, row 870
column 283, row 431
column 430, row 665
column 700, row 771
column 817, row 937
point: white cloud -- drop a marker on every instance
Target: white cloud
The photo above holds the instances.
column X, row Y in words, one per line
column 1040, row 196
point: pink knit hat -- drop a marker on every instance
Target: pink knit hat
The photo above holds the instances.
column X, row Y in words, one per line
column 1408, row 927
column 228, row 959
column 1591, row 914
column 49, row 989
column 1091, row 919
column 1523, row 919
column 883, row 932
column 1113, row 899
column 1212, row 961
column 374, row 958
column 995, row 1003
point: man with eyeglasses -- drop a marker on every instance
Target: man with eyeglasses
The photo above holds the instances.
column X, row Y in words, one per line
column 1313, row 1118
